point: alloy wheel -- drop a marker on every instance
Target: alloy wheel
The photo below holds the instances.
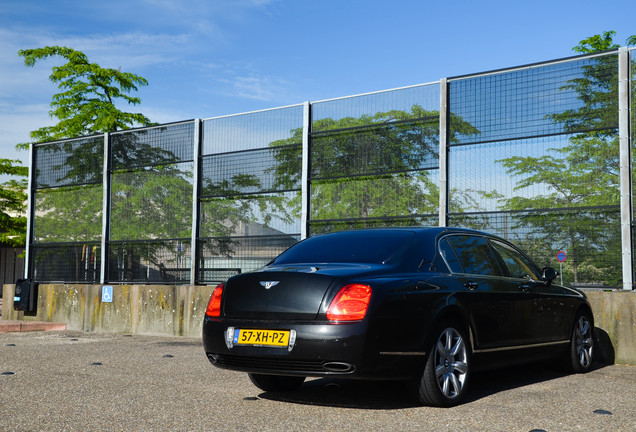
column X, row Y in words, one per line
column 584, row 342
column 451, row 363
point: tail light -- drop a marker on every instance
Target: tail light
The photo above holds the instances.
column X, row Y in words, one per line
column 351, row 303
column 214, row 305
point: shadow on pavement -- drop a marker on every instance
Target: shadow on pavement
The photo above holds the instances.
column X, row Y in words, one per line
column 377, row 395
column 396, row 395
column 388, row 395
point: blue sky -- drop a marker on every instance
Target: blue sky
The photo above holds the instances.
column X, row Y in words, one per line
column 216, row 57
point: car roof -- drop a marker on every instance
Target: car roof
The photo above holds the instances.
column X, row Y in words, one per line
column 432, row 231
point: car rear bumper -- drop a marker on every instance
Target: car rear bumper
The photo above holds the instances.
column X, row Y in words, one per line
column 320, row 349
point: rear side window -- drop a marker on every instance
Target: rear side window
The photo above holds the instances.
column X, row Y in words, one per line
column 517, row 264
column 474, row 255
column 449, row 256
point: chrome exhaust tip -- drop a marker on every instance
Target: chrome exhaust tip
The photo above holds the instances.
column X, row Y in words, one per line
column 339, row 367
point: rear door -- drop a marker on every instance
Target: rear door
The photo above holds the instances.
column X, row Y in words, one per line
column 497, row 307
column 542, row 322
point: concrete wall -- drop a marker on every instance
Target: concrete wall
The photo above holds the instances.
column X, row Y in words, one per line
column 615, row 321
column 135, row 309
column 178, row 311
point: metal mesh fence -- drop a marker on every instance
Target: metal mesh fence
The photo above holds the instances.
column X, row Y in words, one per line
column 543, row 163
column 156, row 261
column 68, row 210
column 536, row 101
column 543, row 172
column 590, row 236
column 151, row 204
column 330, row 225
column 257, row 171
column 250, row 198
column 251, row 131
column 222, row 257
column 66, row 262
column 406, row 103
column 68, row 214
column 71, row 162
column 159, row 145
column 262, row 214
column 374, row 158
column 11, row 265
column 533, row 155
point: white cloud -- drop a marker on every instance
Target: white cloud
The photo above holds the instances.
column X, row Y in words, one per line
column 254, row 88
column 175, row 35
column 25, row 93
column 135, row 49
column 16, row 125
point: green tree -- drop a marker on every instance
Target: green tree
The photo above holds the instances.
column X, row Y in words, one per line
column 12, row 203
column 86, row 103
column 584, row 174
column 602, row 42
column 69, row 196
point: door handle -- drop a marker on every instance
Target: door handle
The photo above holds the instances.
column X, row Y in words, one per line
column 524, row 287
column 471, row 285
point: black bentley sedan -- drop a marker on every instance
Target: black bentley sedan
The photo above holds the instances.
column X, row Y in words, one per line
column 425, row 305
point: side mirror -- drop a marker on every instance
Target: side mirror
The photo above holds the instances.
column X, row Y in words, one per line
column 549, row 274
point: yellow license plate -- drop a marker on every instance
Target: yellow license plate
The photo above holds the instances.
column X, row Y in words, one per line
column 261, row 337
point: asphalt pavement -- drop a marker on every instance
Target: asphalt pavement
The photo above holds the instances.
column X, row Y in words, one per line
column 73, row 381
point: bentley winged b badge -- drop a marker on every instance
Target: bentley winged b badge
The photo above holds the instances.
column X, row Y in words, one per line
column 269, row 284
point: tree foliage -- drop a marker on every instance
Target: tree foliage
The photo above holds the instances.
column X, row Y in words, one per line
column 89, row 92
column 69, row 174
column 13, row 200
column 602, row 42
column 372, row 169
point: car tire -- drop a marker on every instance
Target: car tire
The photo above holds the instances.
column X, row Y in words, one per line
column 276, row 383
column 580, row 354
column 447, row 370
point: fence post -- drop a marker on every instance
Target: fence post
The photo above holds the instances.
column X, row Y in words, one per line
column 194, row 249
column 443, row 153
column 304, row 187
column 30, row 213
column 103, row 266
column 625, row 165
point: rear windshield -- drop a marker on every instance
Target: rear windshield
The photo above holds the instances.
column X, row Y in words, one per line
column 372, row 247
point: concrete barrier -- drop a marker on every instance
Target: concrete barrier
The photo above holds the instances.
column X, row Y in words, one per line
column 135, row 309
column 615, row 321
column 178, row 311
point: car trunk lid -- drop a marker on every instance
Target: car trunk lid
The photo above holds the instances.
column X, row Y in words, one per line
column 275, row 295
column 292, row 292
